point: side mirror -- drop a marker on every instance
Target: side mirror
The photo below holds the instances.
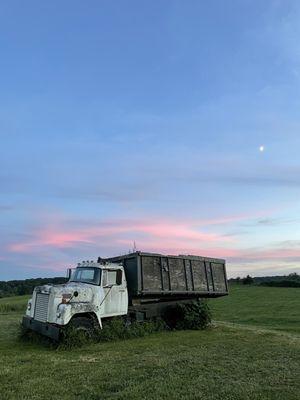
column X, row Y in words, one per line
column 69, row 273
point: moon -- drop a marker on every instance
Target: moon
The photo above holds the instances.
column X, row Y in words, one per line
column 261, row 149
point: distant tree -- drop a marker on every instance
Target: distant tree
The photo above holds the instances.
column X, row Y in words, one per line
column 238, row 280
column 20, row 287
column 248, row 280
column 285, row 283
column 294, row 276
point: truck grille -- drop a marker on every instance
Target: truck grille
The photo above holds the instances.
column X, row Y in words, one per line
column 41, row 307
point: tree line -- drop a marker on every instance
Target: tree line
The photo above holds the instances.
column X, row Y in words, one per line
column 26, row 286
column 291, row 280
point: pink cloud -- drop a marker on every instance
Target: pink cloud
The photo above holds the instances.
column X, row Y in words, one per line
column 182, row 247
column 48, row 239
column 182, row 234
column 272, row 254
column 174, row 235
column 60, row 241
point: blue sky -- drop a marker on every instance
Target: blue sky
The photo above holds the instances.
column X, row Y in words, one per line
column 142, row 121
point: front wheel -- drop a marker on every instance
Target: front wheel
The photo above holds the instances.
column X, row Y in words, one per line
column 83, row 325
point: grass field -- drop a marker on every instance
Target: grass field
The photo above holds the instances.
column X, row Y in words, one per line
column 15, row 303
column 268, row 307
column 252, row 353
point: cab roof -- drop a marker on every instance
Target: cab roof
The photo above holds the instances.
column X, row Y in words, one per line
column 102, row 264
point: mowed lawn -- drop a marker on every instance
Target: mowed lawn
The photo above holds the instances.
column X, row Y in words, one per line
column 268, row 307
column 235, row 359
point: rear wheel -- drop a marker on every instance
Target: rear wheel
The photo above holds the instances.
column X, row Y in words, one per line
column 173, row 315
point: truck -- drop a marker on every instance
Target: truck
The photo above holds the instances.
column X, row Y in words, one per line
column 136, row 286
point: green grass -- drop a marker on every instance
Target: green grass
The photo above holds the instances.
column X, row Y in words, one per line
column 268, row 307
column 235, row 359
column 14, row 303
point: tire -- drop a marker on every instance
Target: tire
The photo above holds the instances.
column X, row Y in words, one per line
column 83, row 325
column 173, row 315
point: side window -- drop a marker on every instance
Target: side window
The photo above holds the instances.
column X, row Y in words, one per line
column 112, row 277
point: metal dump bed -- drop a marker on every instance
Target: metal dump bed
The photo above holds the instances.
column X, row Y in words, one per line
column 182, row 277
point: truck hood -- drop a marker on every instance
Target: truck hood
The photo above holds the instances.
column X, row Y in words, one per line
column 85, row 292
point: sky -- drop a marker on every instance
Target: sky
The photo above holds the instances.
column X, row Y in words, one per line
column 174, row 125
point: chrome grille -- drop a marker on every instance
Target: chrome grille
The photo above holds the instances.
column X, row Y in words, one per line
column 41, row 307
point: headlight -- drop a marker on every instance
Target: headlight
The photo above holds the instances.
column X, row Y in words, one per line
column 29, row 305
column 61, row 309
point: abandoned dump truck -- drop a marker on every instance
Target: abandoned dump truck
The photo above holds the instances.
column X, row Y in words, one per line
column 137, row 286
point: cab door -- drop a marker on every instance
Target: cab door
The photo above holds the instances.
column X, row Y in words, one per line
column 115, row 292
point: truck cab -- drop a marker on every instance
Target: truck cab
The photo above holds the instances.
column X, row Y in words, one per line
column 95, row 291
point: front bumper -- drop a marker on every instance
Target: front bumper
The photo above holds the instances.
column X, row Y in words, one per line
column 43, row 328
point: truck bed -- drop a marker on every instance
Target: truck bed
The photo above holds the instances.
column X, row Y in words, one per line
column 170, row 277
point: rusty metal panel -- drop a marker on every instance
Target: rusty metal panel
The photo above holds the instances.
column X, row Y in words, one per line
column 199, row 276
column 151, row 272
column 218, row 277
column 209, row 277
column 177, row 274
column 165, row 273
column 189, row 275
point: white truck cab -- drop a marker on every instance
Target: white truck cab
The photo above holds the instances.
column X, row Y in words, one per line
column 94, row 291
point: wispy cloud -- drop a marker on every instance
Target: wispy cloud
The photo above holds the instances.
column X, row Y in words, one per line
column 60, row 236
column 64, row 241
column 5, row 208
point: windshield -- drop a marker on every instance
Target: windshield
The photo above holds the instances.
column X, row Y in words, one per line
column 87, row 275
